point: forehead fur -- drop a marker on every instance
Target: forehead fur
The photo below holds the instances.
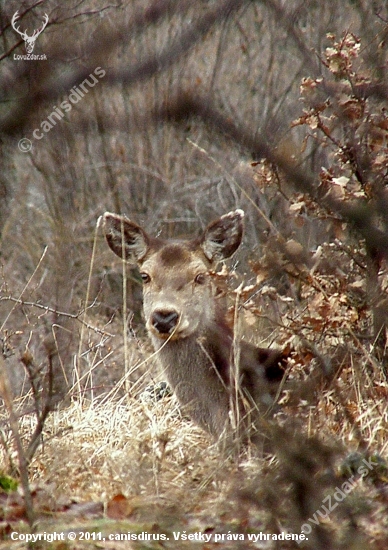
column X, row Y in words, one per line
column 171, row 254
column 174, row 253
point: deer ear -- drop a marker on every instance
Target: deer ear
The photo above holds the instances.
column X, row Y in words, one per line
column 222, row 237
column 127, row 239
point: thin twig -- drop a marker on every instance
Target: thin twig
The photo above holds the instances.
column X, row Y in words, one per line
column 24, row 288
column 48, row 309
column 13, row 422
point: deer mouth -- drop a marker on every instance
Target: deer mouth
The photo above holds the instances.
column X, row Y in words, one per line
column 167, row 325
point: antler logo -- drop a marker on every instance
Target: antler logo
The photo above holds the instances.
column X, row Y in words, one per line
column 29, row 40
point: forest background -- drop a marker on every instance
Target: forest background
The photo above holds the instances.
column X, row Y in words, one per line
column 174, row 113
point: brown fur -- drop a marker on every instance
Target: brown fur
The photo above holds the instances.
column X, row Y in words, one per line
column 186, row 321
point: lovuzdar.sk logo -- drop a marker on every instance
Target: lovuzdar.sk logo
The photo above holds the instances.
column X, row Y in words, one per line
column 29, row 40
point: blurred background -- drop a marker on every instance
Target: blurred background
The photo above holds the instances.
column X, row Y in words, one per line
column 129, row 112
column 174, row 112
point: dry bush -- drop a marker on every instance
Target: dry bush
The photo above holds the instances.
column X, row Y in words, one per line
column 198, row 113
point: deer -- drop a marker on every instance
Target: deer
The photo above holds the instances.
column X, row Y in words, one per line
column 186, row 320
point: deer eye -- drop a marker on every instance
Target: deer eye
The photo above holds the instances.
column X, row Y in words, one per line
column 200, row 279
column 145, row 278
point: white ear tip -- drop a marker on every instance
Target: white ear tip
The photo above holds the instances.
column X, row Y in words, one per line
column 234, row 214
column 109, row 217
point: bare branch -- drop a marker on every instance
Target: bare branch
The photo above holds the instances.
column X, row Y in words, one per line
column 48, row 309
column 139, row 72
column 359, row 213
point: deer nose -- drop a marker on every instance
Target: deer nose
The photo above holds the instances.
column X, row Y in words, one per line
column 164, row 321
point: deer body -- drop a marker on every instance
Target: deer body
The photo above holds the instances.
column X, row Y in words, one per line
column 186, row 320
column 193, row 375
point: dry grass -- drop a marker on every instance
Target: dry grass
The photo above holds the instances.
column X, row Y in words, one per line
column 108, row 440
column 306, row 271
column 175, row 477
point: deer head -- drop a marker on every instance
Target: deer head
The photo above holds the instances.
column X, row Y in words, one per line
column 178, row 290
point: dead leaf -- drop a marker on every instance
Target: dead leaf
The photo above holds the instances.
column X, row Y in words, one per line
column 119, row 507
